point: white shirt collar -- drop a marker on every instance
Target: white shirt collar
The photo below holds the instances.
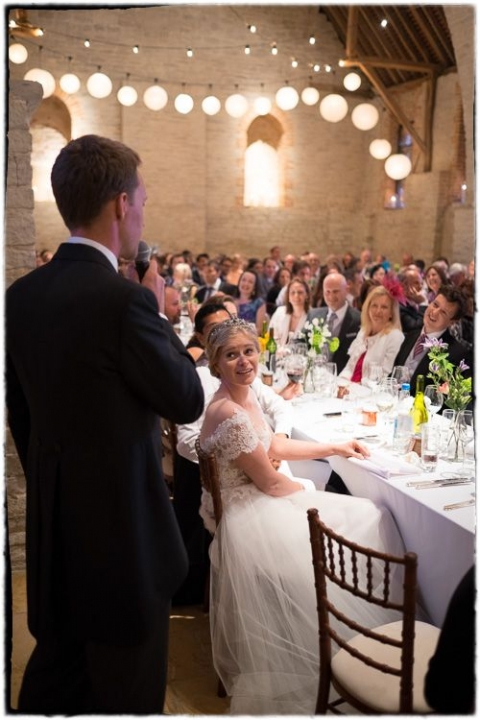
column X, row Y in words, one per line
column 93, row 243
column 340, row 313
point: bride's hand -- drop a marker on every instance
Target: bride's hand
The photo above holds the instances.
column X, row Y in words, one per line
column 352, row 449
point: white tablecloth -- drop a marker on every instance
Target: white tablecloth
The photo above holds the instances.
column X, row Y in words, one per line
column 443, row 540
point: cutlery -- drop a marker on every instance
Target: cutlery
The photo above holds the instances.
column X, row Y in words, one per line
column 465, row 503
column 443, row 481
column 435, row 485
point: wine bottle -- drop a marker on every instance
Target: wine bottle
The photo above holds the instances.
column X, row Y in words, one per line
column 271, row 352
column 419, row 410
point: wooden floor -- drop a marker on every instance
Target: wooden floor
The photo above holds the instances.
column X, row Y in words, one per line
column 192, row 684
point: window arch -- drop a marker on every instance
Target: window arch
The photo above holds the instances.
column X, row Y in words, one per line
column 51, row 128
column 263, row 172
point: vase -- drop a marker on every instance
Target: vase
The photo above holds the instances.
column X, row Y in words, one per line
column 454, row 446
column 308, row 382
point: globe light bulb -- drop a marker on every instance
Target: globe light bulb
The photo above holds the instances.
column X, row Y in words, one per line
column 70, row 83
column 236, row 105
column 352, row 81
column 211, row 105
column 99, row 85
column 398, row 166
column 310, row 96
column 155, row 97
column 127, row 96
column 183, row 103
column 46, row 80
column 287, row 98
column 333, row 108
column 365, row 116
column 380, row 149
column 17, row 53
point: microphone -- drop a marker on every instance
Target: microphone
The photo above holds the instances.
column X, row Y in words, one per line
column 142, row 260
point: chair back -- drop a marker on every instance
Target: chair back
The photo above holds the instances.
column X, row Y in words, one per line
column 339, row 560
column 209, row 479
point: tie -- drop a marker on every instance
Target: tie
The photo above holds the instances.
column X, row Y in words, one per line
column 419, row 349
column 331, row 321
column 208, row 293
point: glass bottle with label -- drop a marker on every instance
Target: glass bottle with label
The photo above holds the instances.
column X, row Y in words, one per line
column 271, row 353
column 419, row 409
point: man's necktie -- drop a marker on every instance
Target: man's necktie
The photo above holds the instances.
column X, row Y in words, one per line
column 208, row 293
column 418, row 349
column 331, row 321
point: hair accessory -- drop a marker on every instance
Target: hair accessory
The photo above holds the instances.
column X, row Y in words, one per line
column 394, row 288
column 234, row 322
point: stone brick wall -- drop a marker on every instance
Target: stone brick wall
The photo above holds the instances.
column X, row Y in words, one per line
column 19, row 259
column 193, row 165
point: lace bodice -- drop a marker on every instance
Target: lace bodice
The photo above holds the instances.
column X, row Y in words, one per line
column 234, row 436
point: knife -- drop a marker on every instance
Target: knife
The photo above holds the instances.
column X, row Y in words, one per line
column 465, row 503
column 434, row 485
column 440, row 481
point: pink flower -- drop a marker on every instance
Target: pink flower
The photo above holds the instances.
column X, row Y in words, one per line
column 444, row 388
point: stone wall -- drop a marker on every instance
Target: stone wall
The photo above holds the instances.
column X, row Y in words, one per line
column 24, row 97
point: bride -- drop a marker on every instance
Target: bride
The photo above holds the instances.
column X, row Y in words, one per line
column 263, row 609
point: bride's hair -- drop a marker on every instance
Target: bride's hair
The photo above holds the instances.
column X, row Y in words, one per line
column 220, row 334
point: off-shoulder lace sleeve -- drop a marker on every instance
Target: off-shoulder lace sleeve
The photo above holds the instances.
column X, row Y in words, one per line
column 234, row 436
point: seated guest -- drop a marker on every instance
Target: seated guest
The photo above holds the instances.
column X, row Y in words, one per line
column 291, row 317
column 412, row 310
column 377, row 273
column 206, row 317
column 173, row 305
column 379, row 338
column 448, row 306
column 343, row 320
column 264, row 625
column 435, row 276
column 281, row 280
column 463, row 330
column 267, row 275
column 213, row 282
column 198, row 268
column 250, row 305
column 450, row 680
column 354, row 283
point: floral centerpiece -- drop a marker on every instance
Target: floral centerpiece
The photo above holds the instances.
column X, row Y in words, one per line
column 318, row 338
column 448, row 379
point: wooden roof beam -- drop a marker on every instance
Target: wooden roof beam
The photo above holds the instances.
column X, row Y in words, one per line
column 399, row 12
column 397, row 64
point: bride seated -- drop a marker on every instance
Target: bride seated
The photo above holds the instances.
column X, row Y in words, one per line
column 263, row 610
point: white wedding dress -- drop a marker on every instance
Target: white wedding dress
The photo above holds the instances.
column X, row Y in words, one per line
column 263, row 609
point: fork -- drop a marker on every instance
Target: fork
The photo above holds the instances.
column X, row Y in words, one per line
column 464, row 503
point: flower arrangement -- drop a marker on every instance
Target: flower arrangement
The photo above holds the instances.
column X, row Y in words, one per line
column 317, row 337
column 447, row 377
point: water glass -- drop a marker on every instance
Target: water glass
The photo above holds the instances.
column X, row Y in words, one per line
column 445, row 430
column 430, row 447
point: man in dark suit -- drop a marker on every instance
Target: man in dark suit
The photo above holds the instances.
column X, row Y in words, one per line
column 448, row 306
column 214, row 283
column 411, row 312
column 343, row 319
column 91, row 365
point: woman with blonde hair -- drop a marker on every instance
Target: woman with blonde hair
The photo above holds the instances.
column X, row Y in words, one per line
column 380, row 335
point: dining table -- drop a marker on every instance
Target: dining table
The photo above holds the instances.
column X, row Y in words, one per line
column 442, row 538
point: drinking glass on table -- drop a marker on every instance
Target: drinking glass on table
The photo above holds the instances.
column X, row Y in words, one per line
column 386, row 399
column 294, row 366
column 325, row 378
column 401, row 374
column 433, row 400
column 372, row 375
column 430, row 447
column 466, row 435
column 445, row 430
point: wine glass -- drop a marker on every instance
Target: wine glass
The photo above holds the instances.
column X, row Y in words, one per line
column 466, row 435
column 433, row 400
column 372, row 375
column 401, row 374
column 294, row 366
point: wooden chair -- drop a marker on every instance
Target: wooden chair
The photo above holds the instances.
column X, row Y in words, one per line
column 380, row 670
column 169, row 451
column 210, row 481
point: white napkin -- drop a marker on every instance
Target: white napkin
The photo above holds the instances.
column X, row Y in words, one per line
column 386, row 465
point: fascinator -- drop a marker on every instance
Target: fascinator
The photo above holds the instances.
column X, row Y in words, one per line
column 394, row 288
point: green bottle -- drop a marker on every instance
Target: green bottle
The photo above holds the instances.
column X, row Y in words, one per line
column 271, row 354
column 419, row 411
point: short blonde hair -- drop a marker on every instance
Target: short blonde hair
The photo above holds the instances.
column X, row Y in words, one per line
column 220, row 334
column 393, row 323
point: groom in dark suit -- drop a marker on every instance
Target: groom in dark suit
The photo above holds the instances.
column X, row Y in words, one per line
column 91, row 365
column 448, row 306
column 343, row 320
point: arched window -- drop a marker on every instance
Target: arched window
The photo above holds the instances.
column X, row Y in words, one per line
column 263, row 172
column 51, row 128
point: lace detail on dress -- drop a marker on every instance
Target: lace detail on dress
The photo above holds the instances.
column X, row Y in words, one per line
column 234, row 436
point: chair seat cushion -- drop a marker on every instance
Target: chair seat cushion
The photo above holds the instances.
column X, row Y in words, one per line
column 378, row 690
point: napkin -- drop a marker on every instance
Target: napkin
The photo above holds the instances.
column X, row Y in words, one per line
column 386, row 465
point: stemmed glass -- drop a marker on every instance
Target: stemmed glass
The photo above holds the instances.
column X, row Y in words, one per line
column 294, row 366
column 466, row 435
column 372, row 375
column 386, row 398
column 433, row 400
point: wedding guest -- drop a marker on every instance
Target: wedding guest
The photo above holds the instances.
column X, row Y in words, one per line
column 354, row 283
column 173, row 305
column 281, row 280
column 457, row 273
column 263, row 616
column 377, row 273
column 379, row 337
column 91, row 368
column 291, row 317
column 198, row 268
column 448, row 306
column 342, row 320
column 413, row 307
column 435, row 276
column 213, row 282
column 450, row 680
column 250, row 305
column 234, row 274
column 266, row 276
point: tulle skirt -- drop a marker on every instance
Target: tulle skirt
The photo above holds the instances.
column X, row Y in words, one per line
column 264, row 623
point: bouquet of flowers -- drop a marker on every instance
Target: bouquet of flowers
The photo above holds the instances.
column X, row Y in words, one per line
column 447, row 377
column 317, row 336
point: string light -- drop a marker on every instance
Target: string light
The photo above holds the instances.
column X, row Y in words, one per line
column 99, row 85
column 316, row 67
column 384, row 23
column 155, row 97
column 274, row 49
column 86, row 43
column 211, row 104
column 294, row 63
column 312, row 40
column 69, row 82
column 189, row 52
column 135, row 49
column 247, row 49
column 17, row 53
column 127, row 95
column 183, row 103
column 328, row 68
column 252, row 28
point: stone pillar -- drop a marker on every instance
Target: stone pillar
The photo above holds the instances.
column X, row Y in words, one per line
column 24, row 97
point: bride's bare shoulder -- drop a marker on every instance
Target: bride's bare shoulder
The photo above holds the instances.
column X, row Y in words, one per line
column 221, row 409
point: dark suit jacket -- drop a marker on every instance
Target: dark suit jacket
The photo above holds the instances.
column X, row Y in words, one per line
column 348, row 332
column 224, row 287
column 410, row 318
column 456, row 352
column 90, row 368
